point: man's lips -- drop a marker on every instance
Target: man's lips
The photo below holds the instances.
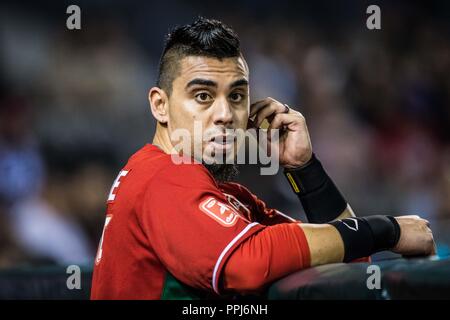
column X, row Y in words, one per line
column 223, row 142
column 223, row 139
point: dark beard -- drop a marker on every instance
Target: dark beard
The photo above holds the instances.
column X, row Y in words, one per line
column 223, row 172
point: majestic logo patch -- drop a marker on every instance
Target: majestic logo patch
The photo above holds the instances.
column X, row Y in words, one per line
column 348, row 223
column 219, row 211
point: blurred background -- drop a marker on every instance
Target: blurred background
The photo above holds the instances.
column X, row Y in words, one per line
column 73, row 108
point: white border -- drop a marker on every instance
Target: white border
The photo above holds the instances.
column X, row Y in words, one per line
column 286, row 216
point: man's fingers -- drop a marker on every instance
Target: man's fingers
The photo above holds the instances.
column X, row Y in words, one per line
column 434, row 250
column 267, row 111
column 282, row 119
column 256, row 106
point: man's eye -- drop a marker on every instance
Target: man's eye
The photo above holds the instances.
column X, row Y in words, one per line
column 203, row 97
column 236, row 97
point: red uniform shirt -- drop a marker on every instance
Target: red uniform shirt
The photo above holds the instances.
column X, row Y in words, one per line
column 170, row 226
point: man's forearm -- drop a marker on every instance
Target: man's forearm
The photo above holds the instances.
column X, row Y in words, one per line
column 324, row 242
column 282, row 249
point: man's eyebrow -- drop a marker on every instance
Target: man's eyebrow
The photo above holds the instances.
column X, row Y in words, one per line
column 202, row 82
column 240, row 82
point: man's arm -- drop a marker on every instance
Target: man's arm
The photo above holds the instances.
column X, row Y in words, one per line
column 278, row 251
column 325, row 243
column 320, row 198
column 285, row 248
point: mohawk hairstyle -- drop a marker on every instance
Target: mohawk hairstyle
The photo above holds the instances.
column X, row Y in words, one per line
column 203, row 37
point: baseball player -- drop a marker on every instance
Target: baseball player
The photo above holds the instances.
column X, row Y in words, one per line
column 184, row 230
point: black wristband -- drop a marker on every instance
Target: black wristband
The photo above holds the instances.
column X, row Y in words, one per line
column 318, row 195
column 363, row 237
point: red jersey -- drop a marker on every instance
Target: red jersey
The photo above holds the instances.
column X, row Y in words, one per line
column 170, row 229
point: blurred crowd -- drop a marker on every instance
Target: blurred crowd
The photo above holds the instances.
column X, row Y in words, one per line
column 73, row 108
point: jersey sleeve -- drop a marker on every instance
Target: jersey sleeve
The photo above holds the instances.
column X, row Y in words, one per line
column 267, row 256
column 191, row 226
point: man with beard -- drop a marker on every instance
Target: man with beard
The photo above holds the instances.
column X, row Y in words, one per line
column 183, row 230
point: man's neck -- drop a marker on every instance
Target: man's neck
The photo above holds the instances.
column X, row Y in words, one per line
column 161, row 140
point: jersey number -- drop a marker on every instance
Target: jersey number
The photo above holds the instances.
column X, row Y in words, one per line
column 100, row 246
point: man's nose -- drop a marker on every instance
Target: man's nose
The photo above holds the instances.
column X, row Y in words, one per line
column 223, row 114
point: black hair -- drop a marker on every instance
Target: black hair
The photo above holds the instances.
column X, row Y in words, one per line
column 203, row 37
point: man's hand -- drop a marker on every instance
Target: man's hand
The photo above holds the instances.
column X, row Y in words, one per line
column 294, row 144
column 416, row 237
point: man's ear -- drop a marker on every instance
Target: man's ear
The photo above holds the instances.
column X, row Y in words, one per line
column 159, row 104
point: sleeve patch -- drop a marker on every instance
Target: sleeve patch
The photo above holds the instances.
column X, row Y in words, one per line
column 219, row 211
